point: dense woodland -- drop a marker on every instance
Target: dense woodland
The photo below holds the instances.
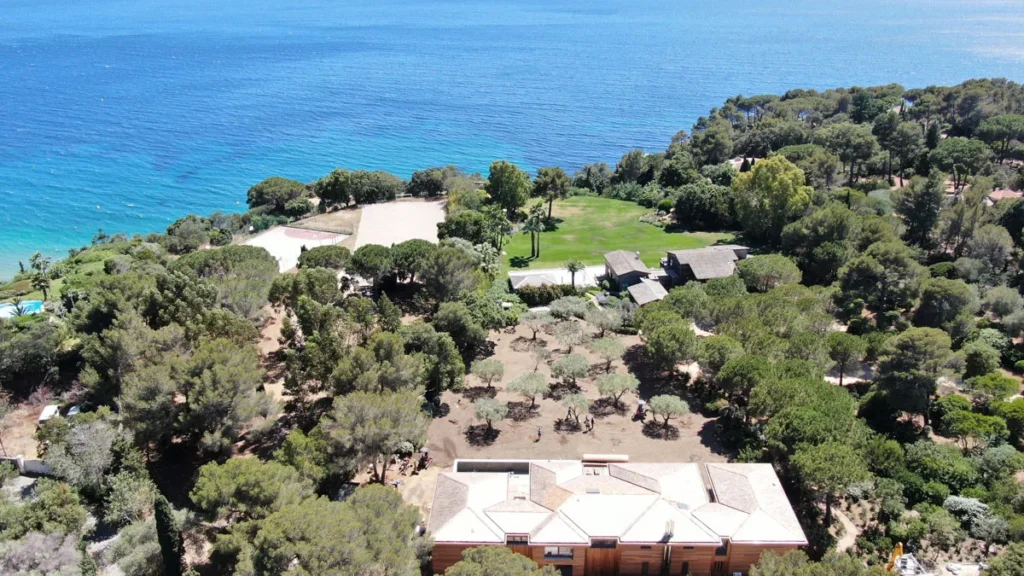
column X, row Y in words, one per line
column 868, row 210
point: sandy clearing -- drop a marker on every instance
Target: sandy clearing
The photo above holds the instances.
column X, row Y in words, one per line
column 285, row 243
column 395, row 222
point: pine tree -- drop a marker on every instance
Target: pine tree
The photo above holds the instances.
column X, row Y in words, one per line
column 169, row 535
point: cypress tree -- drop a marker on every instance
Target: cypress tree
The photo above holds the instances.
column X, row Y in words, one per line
column 169, row 535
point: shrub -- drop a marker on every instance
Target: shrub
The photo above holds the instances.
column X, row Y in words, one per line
column 569, row 307
column 943, row 270
column 534, row 296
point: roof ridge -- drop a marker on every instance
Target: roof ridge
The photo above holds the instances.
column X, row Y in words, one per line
column 640, row 516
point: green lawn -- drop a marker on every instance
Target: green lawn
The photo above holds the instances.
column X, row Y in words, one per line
column 590, row 227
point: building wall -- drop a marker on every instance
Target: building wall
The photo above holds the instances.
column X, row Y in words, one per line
column 578, row 562
column 628, row 559
column 699, row 558
column 627, row 280
column 632, row 558
column 445, row 555
column 743, row 556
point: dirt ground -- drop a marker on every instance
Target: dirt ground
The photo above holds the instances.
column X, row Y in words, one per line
column 342, row 222
column 19, row 435
column 458, row 433
column 268, row 345
column 394, row 222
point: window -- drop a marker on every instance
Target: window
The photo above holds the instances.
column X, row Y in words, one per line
column 603, row 543
column 718, row 567
column 645, row 568
column 645, row 547
column 557, row 552
column 722, row 550
column 564, row 570
column 687, row 547
column 686, row 569
column 517, row 539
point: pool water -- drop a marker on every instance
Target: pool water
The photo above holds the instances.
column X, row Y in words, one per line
column 27, row 307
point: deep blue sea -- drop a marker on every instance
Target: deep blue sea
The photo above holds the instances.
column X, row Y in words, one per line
column 126, row 114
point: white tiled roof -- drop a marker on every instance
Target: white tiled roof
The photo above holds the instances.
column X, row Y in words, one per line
column 564, row 502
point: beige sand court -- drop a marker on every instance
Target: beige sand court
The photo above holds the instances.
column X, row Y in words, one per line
column 285, row 243
column 395, row 222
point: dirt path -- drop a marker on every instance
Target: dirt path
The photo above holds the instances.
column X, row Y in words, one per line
column 850, row 532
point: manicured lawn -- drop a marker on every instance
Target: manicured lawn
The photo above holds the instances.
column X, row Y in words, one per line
column 590, row 227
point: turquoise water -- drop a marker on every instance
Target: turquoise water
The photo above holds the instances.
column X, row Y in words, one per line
column 125, row 115
column 27, row 307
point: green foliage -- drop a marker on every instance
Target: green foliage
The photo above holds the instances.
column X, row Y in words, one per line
column 715, row 352
column 667, row 407
column 274, row 192
column 371, row 261
column 410, row 257
column 910, row 365
column 449, row 274
column 960, row 158
column 614, row 386
column 669, row 345
column 846, row 350
column 885, row 276
column 172, row 547
column 704, row 206
column 530, row 384
column 455, row 319
column 508, row 186
column 428, row 183
column 979, row 358
column 56, row 508
column 942, row 301
column 763, row 273
column 222, row 394
column 769, row 197
column 369, row 427
column 534, row 296
column 334, row 257
column 829, row 469
column 608, row 349
column 247, row 489
column 490, row 410
column 918, row 207
column 497, row 561
column 488, row 371
column 570, row 368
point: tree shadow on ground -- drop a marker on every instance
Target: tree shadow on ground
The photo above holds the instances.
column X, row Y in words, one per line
column 440, row 410
column 551, row 224
column 598, row 369
column 521, row 411
column 710, row 435
column 480, row 435
column 560, row 390
column 524, row 344
column 568, row 425
column 658, row 431
column 520, row 261
column 606, row 407
column 474, row 393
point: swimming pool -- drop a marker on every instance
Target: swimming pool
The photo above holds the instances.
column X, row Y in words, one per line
column 27, row 307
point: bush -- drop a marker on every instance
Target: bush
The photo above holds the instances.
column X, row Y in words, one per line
column 943, row 270
column 534, row 296
column 568, row 307
column 333, row 257
column 665, row 205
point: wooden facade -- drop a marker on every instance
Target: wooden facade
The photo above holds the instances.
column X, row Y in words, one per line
column 634, row 560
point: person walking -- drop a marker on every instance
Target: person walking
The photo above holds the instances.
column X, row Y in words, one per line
column 539, row 432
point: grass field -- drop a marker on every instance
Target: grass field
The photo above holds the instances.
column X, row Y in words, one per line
column 589, row 227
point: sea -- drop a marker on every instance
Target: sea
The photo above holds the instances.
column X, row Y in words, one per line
column 124, row 115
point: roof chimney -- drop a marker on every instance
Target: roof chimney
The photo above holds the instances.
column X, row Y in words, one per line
column 670, row 527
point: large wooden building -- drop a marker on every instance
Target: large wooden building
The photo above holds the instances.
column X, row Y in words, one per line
column 599, row 517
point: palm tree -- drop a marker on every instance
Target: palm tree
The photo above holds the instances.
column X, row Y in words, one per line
column 537, row 216
column 574, row 266
column 19, row 308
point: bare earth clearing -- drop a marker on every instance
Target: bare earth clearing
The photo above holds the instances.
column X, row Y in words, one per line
column 458, row 434
column 394, row 222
